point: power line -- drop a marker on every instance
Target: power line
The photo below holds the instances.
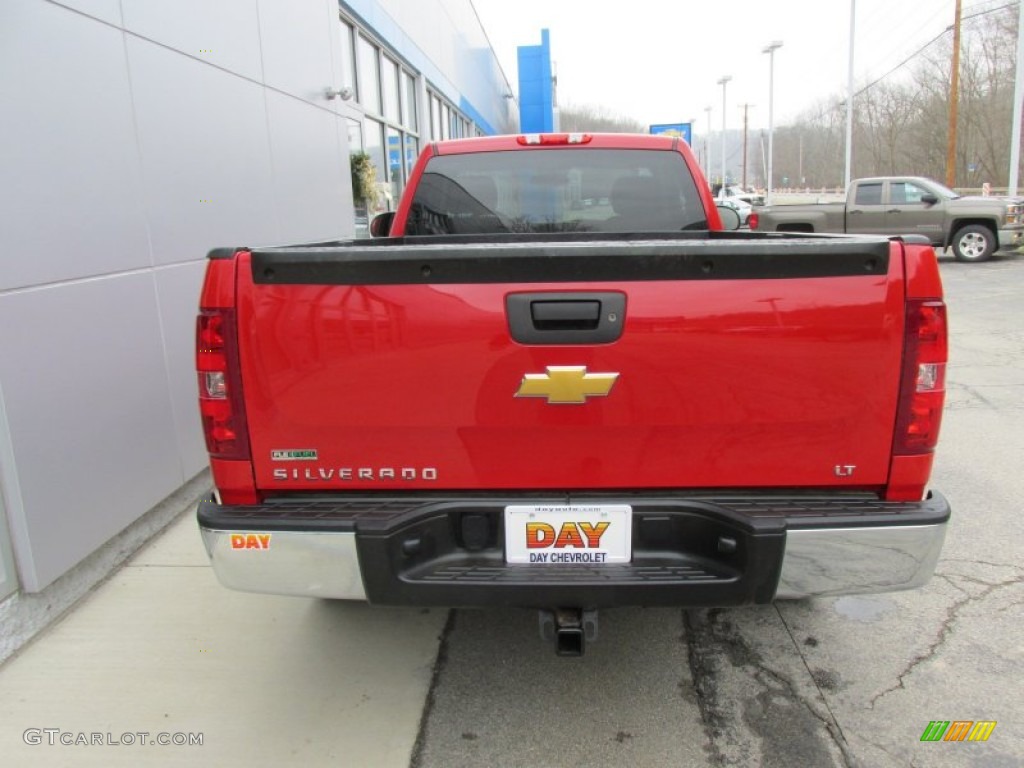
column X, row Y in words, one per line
column 906, row 61
column 990, row 10
column 841, row 104
column 887, row 44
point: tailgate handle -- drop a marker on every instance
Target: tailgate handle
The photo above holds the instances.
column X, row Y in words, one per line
column 565, row 315
column 585, row 317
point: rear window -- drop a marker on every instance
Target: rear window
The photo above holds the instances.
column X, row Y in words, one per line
column 556, row 190
column 869, row 194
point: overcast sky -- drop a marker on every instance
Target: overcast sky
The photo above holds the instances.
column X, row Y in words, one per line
column 659, row 61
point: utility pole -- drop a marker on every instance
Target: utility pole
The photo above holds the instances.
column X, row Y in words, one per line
column 723, row 82
column 746, row 108
column 1018, row 105
column 800, row 161
column 849, row 100
column 770, row 49
column 707, row 145
column 954, row 87
column 764, row 167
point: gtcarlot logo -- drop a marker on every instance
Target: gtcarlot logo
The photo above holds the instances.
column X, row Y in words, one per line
column 54, row 737
column 958, row 730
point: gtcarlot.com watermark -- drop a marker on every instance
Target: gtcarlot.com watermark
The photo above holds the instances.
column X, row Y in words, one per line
column 54, row 737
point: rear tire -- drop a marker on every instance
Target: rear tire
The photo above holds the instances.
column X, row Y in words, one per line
column 973, row 242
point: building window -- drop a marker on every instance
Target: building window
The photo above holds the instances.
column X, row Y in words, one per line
column 447, row 122
column 390, row 130
column 369, row 76
column 355, row 147
column 373, row 135
column 409, row 118
column 396, row 165
column 386, row 95
column 435, row 117
column 390, row 87
column 412, row 151
column 348, row 59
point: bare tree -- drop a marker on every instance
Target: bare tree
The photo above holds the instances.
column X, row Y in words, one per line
column 885, row 117
column 577, row 118
column 986, row 100
column 901, row 122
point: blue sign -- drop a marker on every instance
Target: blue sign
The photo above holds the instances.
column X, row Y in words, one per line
column 682, row 130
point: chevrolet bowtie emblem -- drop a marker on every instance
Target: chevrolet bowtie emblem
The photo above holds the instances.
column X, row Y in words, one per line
column 566, row 384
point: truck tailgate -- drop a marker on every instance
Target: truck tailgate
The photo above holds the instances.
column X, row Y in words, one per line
column 733, row 364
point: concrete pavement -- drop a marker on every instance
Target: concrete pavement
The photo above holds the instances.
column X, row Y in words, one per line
column 161, row 648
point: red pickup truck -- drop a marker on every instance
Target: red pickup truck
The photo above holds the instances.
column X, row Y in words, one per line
column 559, row 385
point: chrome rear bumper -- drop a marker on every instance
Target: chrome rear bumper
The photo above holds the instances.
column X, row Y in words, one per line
column 303, row 563
column 852, row 561
column 787, row 549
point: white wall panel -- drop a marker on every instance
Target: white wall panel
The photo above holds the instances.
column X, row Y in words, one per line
column 338, row 68
column 126, row 155
column 70, row 202
column 222, row 32
column 296, row 37
column 312, row 181
column 88, row 416
column 104, row 10
column 8, row 579
column 205, row 155
column 178, row 290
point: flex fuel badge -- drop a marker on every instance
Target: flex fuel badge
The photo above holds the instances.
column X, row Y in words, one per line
column 293, row 454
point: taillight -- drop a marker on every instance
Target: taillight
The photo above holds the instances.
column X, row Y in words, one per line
column 220, row 387
column 552, row 139
column 752, row 220
column 923, row 386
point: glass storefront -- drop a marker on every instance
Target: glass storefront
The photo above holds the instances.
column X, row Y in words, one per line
column 386, row 92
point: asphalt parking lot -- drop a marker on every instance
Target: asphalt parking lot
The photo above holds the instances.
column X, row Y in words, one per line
column 161, row 648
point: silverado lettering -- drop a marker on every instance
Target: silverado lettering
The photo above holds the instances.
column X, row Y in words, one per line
column 569, row 387
column 347, row 474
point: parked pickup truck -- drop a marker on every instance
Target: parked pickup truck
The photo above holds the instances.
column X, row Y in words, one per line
column 974, row 227
column 559, row 385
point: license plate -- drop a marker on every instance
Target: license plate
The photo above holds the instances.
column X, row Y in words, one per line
column 568, row 535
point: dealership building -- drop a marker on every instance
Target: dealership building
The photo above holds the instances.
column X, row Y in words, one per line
column 138, row 135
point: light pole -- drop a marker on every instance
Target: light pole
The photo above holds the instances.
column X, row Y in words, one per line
column 723, row 82
column 849, row 101
column 770, row 49
column 1018, row 105
column 707, row 143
